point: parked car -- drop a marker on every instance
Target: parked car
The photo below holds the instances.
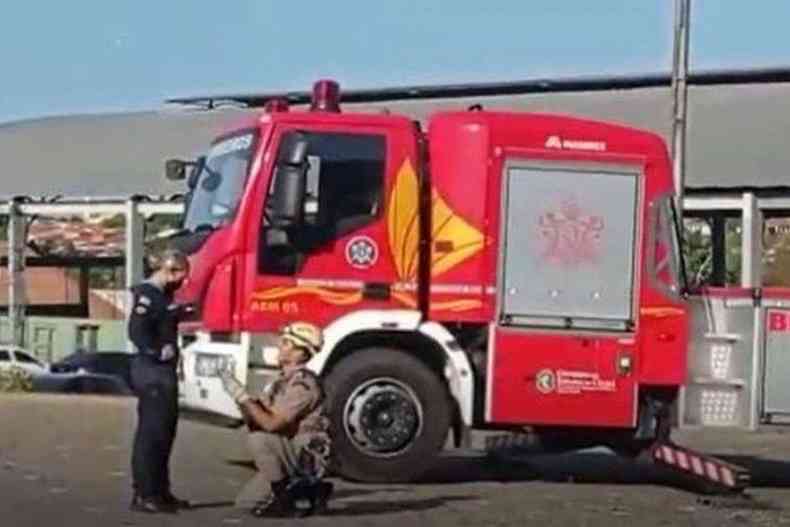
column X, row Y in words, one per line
column 113, row 363
column 14, row 357
column 81, row 383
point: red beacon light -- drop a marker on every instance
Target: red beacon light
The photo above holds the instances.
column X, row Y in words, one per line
column 275, row 105
column 326, row 96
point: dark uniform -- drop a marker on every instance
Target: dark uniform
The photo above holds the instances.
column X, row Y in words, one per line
column 153, row 328
column 298, row 454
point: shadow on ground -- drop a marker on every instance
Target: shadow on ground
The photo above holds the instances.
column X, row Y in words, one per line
column 211, row 505
column 375, row 507
column 582, row 468
column 597, row 468
column 765, row 472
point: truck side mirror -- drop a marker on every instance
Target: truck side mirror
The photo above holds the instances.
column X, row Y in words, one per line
column 293, row 151
column 175, row 169
column 286, row 207
column 194, row 174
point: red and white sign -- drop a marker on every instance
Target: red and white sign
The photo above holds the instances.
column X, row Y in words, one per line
column 568, row 382
column 778, row 321
column 573, row 382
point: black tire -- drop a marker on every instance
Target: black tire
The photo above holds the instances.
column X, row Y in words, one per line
column 348, row 380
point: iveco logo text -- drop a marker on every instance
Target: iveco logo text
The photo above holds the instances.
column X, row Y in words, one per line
column 555, row 141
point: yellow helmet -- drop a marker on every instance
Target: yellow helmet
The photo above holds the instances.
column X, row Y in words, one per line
column 304, row 335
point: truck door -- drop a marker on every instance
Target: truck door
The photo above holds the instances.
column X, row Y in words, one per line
column 338, row 260
column 567, row 295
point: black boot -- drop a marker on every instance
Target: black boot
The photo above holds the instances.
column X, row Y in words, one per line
column 312, row 495
column 149, row 505
column 170, row 500
column 277, row 504
column 269, row 507
column 323, row 493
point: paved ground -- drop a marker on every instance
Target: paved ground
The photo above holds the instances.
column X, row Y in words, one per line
column 64, row 461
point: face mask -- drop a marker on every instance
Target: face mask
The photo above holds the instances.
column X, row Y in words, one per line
column 172, row 287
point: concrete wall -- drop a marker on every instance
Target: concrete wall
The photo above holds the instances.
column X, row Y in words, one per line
column 52, row 338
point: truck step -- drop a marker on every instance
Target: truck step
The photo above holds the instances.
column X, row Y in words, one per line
column 715, row 474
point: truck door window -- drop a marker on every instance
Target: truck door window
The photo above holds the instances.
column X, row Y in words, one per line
column 346, row 180
column 4, row 356
column 666, row 262
column 344, row 191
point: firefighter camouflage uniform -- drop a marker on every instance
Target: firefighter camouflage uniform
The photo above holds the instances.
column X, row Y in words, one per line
column 300, row 453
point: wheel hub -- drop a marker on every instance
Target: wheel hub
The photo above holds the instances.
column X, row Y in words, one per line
column 383, row 417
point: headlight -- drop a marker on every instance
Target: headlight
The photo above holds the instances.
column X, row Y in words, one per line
column 209, row 364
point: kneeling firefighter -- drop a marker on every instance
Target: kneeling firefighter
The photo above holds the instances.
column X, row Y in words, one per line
column 288, row 432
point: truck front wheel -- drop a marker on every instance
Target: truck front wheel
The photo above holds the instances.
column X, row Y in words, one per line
column 390, row 415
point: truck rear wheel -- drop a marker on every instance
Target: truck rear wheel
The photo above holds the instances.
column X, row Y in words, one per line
column 390, row 415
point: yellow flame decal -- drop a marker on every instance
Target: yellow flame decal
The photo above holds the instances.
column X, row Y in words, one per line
column 348, row 298
column 458, row 238
column 451, row 230
column 326, row 295
column 403, row 224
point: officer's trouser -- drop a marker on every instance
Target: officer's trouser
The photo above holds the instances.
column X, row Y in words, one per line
column 156, row 387
column 276, row 458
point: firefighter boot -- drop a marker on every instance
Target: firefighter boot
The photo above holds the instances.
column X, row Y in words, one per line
column 277, row 504
column 315, row 493
column 170, row 500
column 323, row 491
column 150, row 505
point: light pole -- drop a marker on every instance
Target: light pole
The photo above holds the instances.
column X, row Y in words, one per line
column 679, row 91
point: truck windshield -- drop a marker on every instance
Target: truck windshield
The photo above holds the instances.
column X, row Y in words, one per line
column 220, row 182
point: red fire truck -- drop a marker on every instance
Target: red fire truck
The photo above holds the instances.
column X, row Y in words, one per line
column 492, row 271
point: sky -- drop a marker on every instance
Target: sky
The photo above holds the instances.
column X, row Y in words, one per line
column 90, row 56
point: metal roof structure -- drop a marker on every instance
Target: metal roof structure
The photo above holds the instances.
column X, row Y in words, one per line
column 444, row 91
column 737, row 130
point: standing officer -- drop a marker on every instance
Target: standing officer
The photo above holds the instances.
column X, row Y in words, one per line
column 288, row 431
column 153, row 329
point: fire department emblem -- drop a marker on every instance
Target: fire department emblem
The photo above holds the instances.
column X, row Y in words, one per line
column 545, row 381
column 362, row 252
column 570, row 236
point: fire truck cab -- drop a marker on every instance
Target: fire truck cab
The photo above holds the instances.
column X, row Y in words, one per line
column 495, row 270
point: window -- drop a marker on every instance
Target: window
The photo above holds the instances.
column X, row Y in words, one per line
column 344, row 193
column 4, row 356
column 776, row 255
column 221, row 181
column 569, row 255
column 345, row 180
column 25, row 358
column 712, row 249
column 667, row 267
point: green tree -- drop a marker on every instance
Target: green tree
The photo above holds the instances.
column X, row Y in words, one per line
column 698, row 251
column 114, row 222
column 4, row 227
